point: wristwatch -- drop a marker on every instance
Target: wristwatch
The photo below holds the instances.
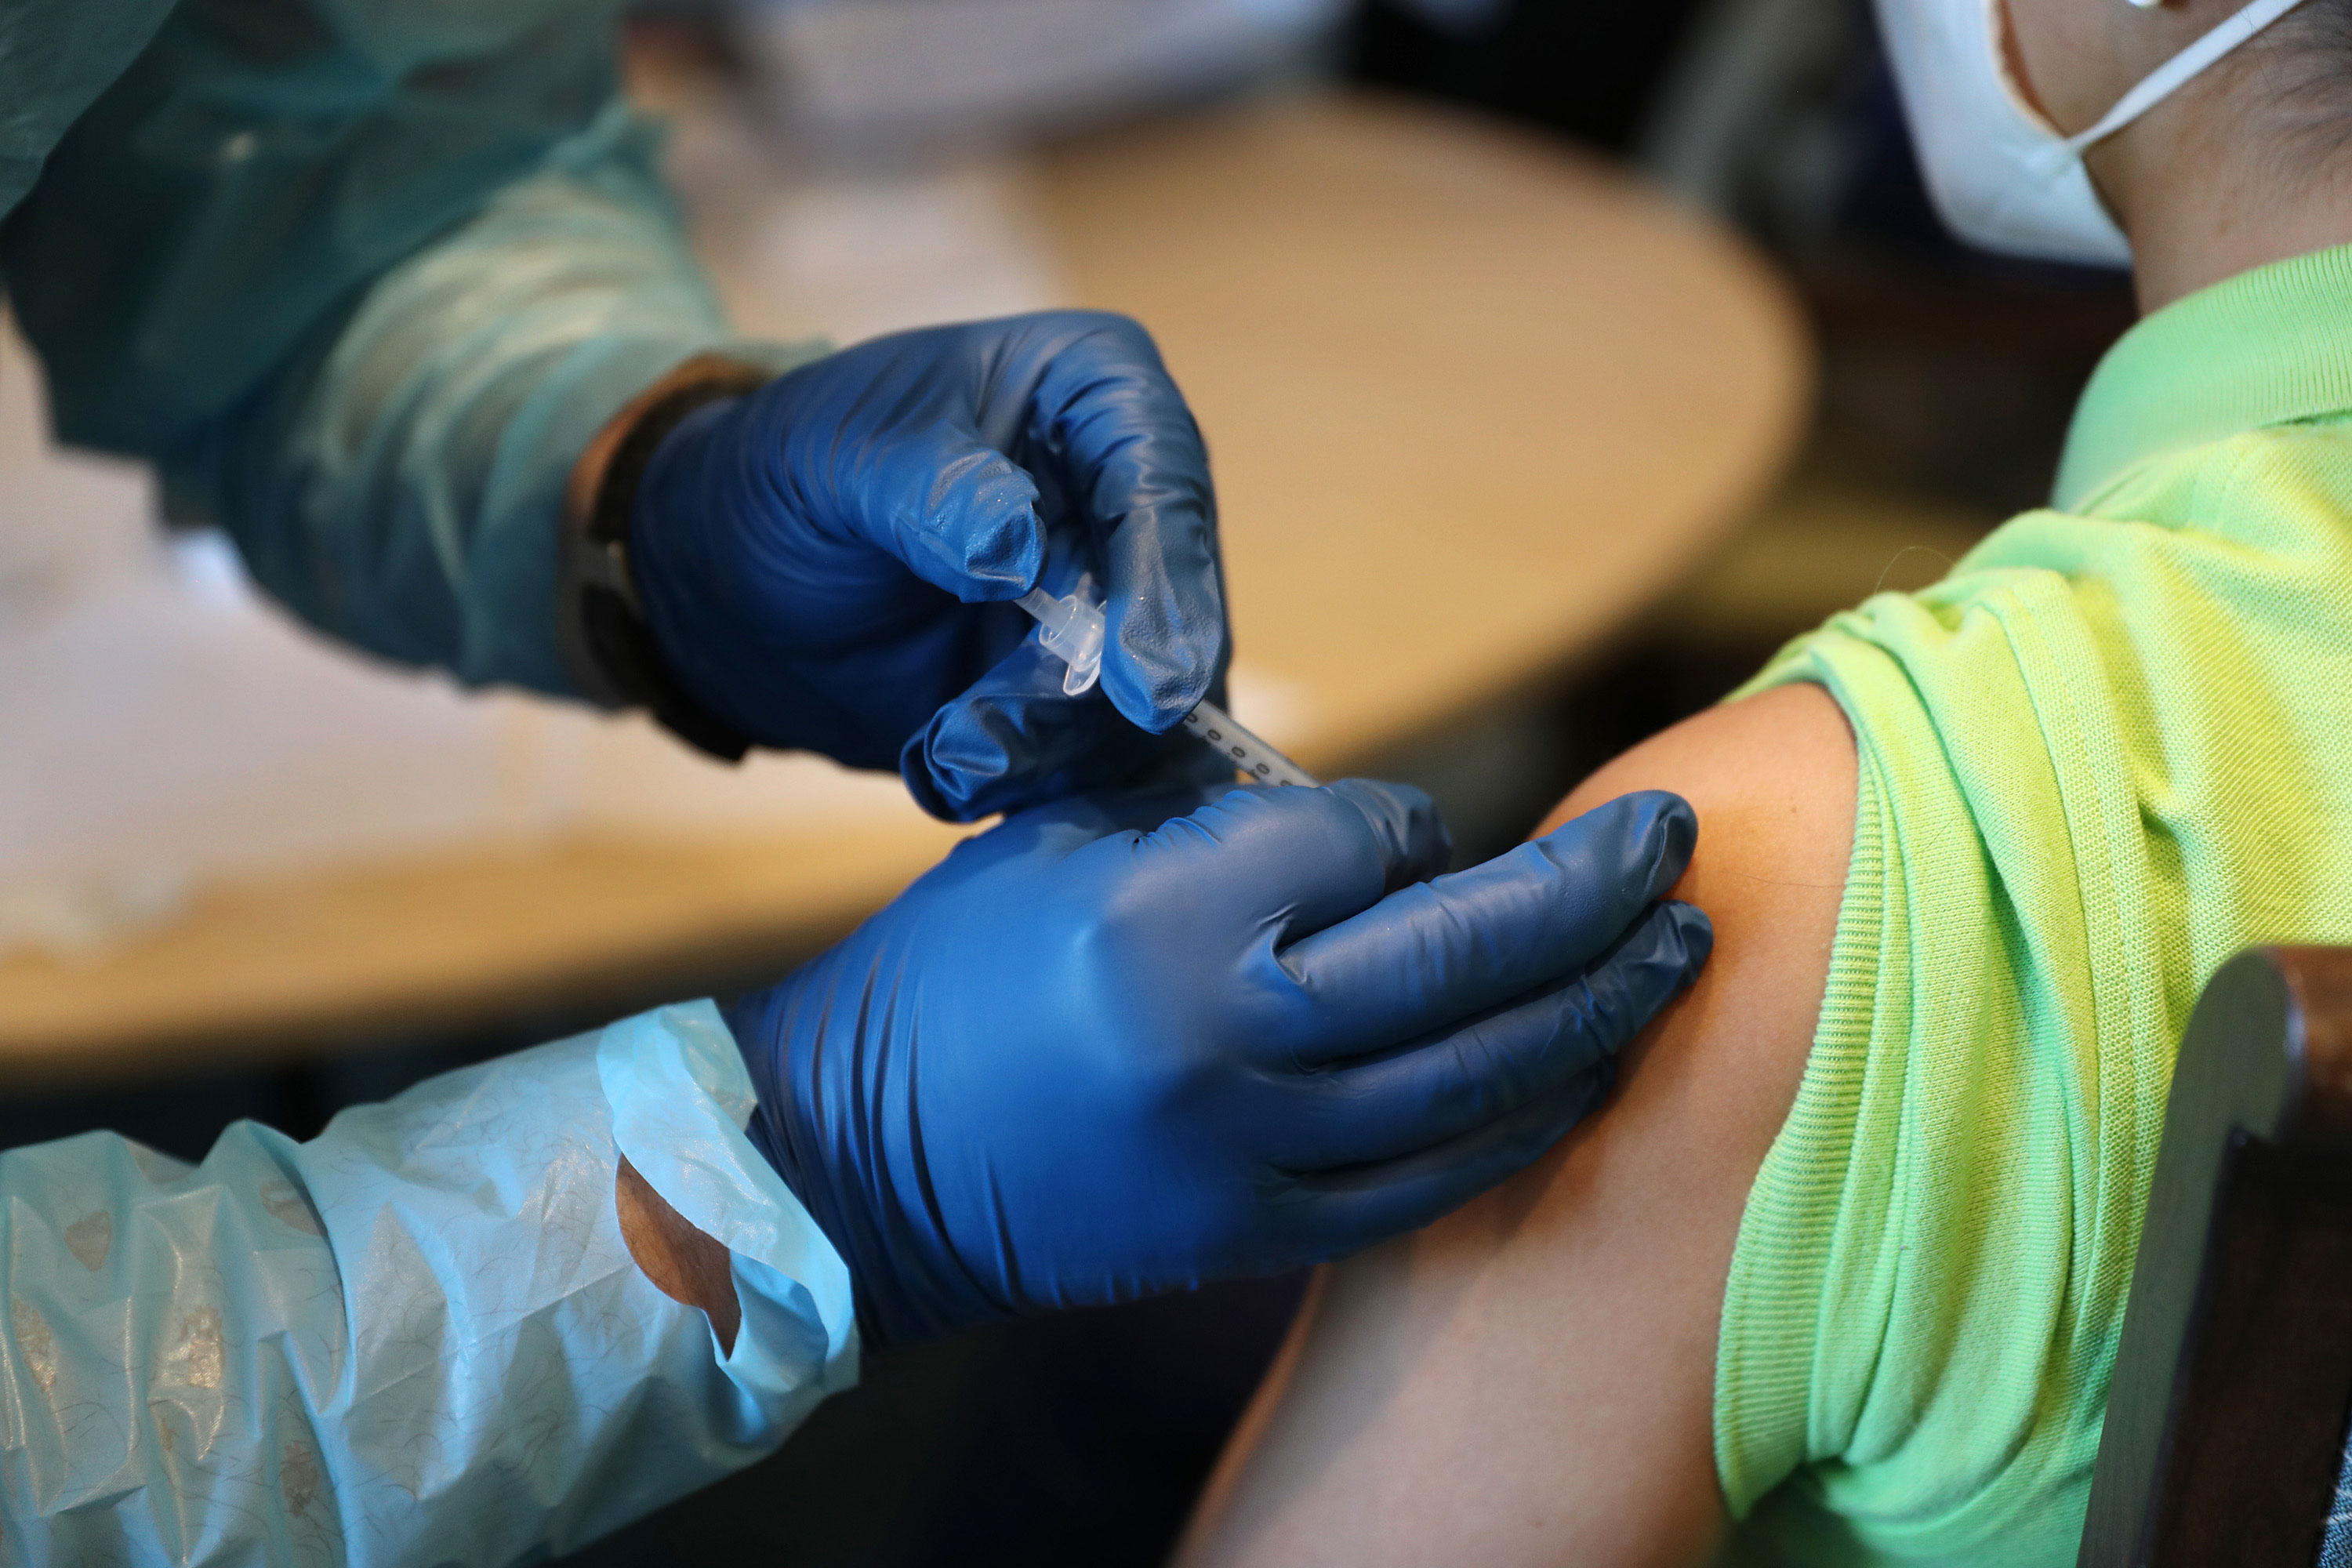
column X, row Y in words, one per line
column 607, row 647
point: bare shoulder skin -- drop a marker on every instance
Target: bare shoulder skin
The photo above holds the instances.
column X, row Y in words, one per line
column 1531, row 1381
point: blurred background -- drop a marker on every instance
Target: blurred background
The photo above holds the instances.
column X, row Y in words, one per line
column 1558, row 361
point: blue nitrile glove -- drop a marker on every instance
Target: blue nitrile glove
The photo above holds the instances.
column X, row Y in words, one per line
column 826, row 561
column 1104, row 1051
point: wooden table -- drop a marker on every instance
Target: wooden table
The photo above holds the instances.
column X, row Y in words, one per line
column 1473, row 401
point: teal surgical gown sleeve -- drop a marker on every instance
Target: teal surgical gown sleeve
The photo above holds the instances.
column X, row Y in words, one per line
column 417, row 1338
column 362, row 279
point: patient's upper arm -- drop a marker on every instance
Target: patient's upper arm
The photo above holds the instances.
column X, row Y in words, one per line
column 1531, row 1381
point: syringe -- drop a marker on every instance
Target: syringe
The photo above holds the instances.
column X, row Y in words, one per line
column 1072, row 630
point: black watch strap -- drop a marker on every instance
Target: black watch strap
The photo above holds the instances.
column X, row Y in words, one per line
column 608, row 646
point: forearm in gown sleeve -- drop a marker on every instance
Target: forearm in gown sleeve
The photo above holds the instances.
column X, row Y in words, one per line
column 419, row 1338
column 363, row 281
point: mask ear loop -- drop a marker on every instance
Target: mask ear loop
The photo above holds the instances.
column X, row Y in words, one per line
column 2181, row 70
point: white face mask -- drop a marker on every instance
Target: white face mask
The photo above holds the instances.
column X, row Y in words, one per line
column 2002, row 177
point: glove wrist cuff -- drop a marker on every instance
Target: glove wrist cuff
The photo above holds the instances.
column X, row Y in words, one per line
column 608, row 646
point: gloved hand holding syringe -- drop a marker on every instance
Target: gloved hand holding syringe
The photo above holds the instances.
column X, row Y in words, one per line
column 1071, row 627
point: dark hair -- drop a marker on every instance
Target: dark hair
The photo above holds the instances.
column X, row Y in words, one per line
column 2306, row 70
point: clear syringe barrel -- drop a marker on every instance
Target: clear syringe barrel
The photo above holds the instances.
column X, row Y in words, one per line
column 1249, row 753
column 1072, row 630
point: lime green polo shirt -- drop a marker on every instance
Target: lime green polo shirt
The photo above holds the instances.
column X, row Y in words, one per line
column 2113, row 748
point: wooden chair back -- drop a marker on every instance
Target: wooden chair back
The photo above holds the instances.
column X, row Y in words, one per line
column 2227, row 1418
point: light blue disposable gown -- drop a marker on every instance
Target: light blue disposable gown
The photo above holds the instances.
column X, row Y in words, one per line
column 418, row 1338
column 361, row 276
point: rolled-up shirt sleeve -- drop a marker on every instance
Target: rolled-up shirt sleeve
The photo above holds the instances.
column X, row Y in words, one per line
column 419, row 1337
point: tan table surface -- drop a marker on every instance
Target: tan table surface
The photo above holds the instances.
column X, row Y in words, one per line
column 1472, row 402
